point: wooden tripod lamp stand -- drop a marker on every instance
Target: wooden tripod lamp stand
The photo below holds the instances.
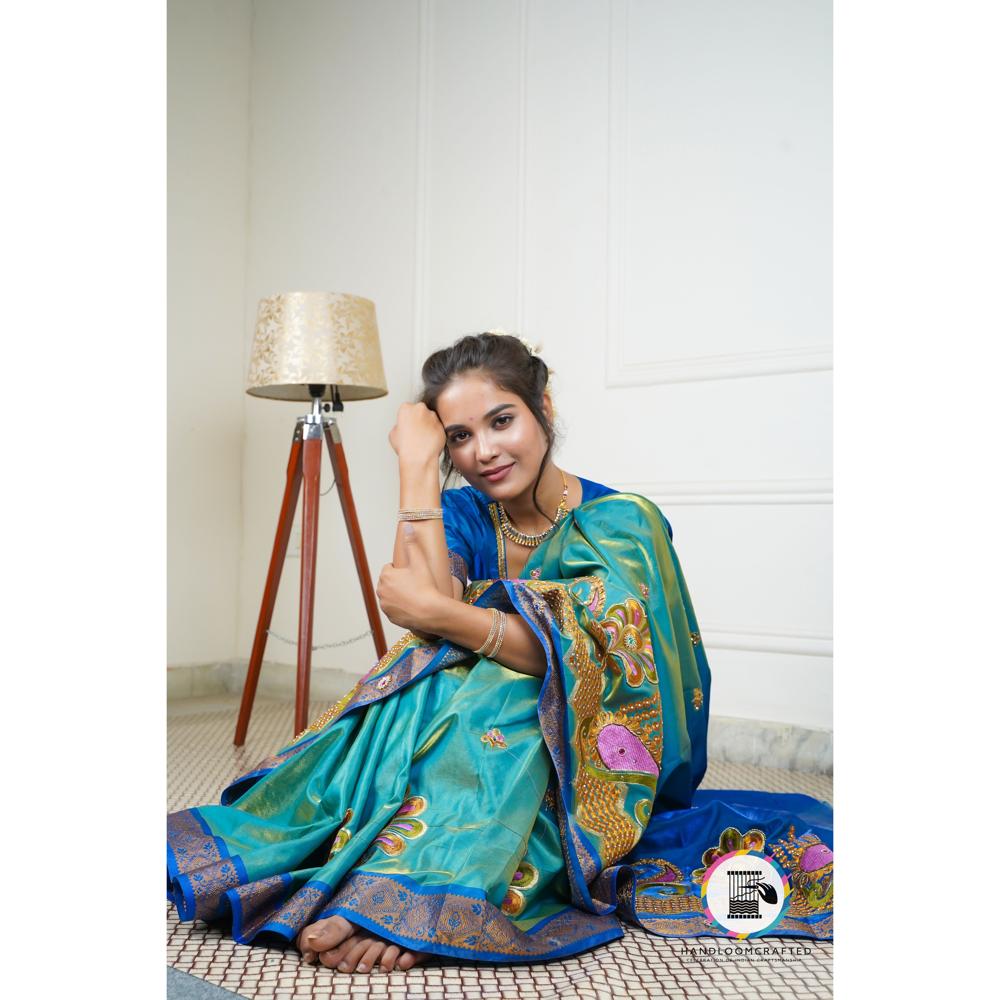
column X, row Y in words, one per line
column 308, row 345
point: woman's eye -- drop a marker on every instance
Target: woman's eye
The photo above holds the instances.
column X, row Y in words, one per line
column 459, row 436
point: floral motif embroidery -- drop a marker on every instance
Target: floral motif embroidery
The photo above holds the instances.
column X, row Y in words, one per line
column 343, row 834
column 536, row 572
column 494, row 738
column 729, row 840
column 390, row 840
column 644, row 589
column 695, row 638
column 383, row 682
column 629, row 642
column 809, row 863
column 525, row 878
column 697, row 699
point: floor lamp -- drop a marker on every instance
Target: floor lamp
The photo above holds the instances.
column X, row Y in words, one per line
column 307, row 346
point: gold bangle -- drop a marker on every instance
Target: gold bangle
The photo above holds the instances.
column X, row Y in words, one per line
column 498, row 642
column 491, row 635
column 420, row 513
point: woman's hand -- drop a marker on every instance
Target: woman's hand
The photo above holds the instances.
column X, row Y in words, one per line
column 407, row 594
column 418, row 435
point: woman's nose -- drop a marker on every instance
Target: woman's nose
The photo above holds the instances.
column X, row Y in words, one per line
column 485, row 450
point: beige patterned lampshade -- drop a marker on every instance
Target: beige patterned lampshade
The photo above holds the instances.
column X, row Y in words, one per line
column 319, row 338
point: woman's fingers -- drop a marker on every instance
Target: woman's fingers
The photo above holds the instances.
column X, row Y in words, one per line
column 389, row 957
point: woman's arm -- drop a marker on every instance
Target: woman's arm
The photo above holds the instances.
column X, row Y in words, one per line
column 468, row 626
column 419, row 486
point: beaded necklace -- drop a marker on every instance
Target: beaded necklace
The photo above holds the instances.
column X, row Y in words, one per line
column 531, row 541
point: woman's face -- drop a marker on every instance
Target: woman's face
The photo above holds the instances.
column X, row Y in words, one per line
column 487, row 428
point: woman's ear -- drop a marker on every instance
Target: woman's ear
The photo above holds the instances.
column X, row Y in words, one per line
column 547, row 407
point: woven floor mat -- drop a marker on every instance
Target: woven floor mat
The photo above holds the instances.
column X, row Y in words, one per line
column 201, row 760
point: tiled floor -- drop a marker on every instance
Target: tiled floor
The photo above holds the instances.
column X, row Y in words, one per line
column 202, row 759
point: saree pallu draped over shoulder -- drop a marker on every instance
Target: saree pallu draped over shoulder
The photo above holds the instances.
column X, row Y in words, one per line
column 454, row 806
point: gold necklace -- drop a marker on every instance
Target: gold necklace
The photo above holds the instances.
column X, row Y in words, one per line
column 531, row 541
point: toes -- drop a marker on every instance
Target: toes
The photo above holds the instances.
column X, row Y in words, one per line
column 389, row 957
column 300, row 941
column 331, row 958
column 350, row 961
column 355, row 951
column 328, row 933
column 371, row 956
column 308, row 954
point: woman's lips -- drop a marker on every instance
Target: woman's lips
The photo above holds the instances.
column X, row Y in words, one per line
column 495, row 477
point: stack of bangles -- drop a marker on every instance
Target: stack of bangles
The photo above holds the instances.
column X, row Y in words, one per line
column 494, row 639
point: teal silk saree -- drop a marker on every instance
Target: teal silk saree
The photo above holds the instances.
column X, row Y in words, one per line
column 454, row 806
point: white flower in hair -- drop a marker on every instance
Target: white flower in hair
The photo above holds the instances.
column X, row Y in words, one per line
column 533, row 349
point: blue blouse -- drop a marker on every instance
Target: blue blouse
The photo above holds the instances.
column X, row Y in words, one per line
column 470, row 533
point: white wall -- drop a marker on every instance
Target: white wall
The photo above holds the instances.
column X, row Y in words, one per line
column 333, row 154
column 644, row 187
column 208, row 120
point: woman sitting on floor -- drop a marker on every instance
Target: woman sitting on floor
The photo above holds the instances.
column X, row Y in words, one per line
column 519, row 771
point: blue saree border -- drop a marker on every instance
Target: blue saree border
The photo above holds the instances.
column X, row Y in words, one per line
column 352, row 894
column 436, row 948
column 180, row 890
column 238, row 917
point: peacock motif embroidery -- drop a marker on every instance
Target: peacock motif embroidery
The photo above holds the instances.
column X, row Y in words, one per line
column 656, row 878
column 525, row 878
column 343, row 834
column 403, row 826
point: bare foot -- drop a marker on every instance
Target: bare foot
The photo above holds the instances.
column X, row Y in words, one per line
column 363, row 951
column 322, row 935
column 339, row 945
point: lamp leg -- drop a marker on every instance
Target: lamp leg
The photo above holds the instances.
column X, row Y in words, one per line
column 312, row 457
column 293, row 482
column 340, row 475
